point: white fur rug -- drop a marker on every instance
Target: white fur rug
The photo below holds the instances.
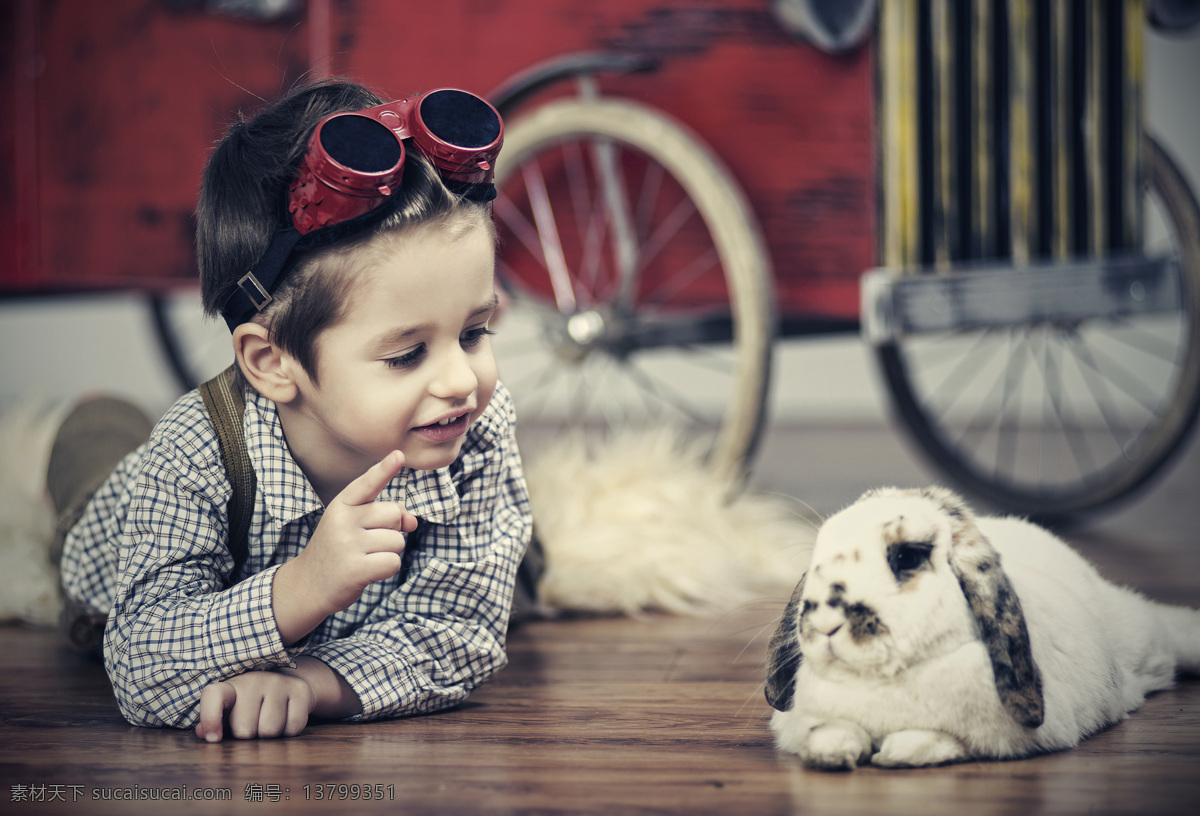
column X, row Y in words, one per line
column 638, row 526
column 642, row 525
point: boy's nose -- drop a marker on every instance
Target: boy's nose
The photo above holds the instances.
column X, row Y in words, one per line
column 455, row 378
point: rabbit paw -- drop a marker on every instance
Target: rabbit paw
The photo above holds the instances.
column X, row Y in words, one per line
column 838, row 746
column 912, row 749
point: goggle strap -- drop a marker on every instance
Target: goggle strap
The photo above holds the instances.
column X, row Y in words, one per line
column 254, row 290
column 472, row 191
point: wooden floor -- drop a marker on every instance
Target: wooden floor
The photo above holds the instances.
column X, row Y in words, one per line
column 663, row 715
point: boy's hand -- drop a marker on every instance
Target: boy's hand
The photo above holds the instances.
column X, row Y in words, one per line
column 261, row 705
column 358, row 542
column 267, row 704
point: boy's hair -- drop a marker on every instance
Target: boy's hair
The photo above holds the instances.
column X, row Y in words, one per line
column 243, row 203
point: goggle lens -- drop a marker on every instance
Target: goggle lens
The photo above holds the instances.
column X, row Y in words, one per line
column 461, row 119
column 360, row 144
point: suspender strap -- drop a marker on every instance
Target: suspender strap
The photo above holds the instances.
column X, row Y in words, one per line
column 226, row 404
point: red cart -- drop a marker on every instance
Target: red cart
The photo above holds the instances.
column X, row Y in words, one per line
column 685, row 181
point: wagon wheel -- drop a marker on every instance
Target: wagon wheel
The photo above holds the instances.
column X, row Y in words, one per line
column 1057, row 418
column 636, row 257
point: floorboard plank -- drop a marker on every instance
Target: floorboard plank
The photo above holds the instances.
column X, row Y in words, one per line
column 614, row 715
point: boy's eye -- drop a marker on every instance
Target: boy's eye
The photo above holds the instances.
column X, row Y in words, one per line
column 406, row 360
column 472, row 337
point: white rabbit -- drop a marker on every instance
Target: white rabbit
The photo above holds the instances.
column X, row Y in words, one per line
column 922, row 635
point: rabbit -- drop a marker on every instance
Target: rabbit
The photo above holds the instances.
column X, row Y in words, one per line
column 924, row 635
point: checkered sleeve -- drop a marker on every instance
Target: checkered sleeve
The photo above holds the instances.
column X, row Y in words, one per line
column 174, row 627
column 441, row 632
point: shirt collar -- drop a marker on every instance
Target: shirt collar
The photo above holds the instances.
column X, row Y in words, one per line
column 287, row 494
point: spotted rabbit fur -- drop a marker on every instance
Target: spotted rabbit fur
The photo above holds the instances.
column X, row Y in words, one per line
column 922, row 635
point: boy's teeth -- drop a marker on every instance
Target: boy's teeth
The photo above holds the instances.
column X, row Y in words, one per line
column 447, row 420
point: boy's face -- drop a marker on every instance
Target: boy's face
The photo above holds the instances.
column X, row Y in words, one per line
column 410, row 366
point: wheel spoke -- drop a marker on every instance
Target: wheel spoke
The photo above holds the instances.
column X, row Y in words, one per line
column 551, row 243
column 652, row 183
column 536, row 384
column 605, row 155
column 708, row 358
column 1098, row 388
column 575, row 168
column 1142, row 339
column 595, row 254
column 590, row 221
column 665, row 394
column 1010, row 408
column 968, row 368
column 513, row 220
column 666, row 230
column 1072, row 429
column 1128, row 383
column 666, row 291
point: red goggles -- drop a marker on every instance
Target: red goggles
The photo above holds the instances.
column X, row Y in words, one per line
column 354, row 165
column 355, row 160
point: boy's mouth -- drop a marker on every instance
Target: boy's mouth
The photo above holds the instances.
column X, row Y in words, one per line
column 446, row 428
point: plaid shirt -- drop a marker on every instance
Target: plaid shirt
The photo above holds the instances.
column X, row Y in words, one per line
column 151, row 548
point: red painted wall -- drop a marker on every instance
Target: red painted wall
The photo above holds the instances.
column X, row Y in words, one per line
column 117, row 103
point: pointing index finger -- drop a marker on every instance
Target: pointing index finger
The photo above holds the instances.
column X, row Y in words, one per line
column 366, row 487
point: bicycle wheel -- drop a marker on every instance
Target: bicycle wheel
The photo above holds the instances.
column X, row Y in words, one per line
column 635, row 266
column 1057, row 418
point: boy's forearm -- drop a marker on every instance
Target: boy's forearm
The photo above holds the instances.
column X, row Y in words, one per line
column 335, row 700
column 215, row 635
column 291, row 599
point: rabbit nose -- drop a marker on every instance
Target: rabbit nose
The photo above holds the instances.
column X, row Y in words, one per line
column 827, row 620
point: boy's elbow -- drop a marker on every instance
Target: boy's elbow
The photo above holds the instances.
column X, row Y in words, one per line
column 155, row 700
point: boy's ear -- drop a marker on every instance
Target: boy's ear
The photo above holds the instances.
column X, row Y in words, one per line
column 267, row 367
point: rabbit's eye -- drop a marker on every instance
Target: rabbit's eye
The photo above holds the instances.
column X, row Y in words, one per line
column 907, row 557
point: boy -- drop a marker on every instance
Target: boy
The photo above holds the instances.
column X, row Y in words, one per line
column 371, row 408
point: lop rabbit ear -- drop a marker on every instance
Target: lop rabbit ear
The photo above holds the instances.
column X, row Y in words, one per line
column 997, row 609
column 784, row 656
